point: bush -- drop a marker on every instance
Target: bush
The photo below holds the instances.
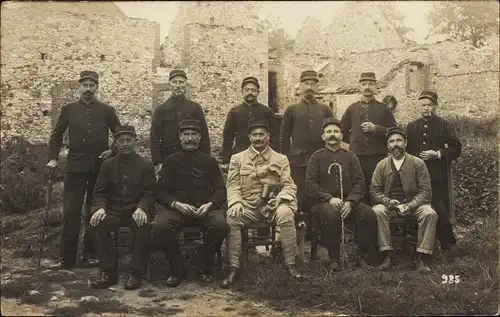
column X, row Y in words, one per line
column 23, row 184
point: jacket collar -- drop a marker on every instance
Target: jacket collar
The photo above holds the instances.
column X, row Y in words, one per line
column 253, row 153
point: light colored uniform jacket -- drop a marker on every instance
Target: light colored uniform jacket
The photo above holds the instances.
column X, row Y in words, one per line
column 415, row 180
column 249, row 167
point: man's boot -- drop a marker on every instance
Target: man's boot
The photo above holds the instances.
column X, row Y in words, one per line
column 293, row 273
column 421, row 267
column 231, row 278
column 90, row 261
column 134, row 281
column 106, row 280
column 61, row 265
column 178, row 272
column 386, row 263
column 334, row 255
column 449, row 252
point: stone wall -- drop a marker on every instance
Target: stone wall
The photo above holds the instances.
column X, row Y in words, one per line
column 218, row 44
column 45, row 46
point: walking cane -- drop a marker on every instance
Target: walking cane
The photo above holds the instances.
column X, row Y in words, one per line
column 343, row 254
column 48, row 206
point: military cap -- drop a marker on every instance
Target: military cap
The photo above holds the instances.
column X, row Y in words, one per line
column 89, row 74
column 309, row 74
column 258, row 122
column 331, row 120
column 367, row 76
column 177, row 72
column 395, row 130
column 250, row 79
column 429, row 95
column 125, row 129
column 190, row 124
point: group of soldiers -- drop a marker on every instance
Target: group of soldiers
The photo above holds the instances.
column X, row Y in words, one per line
column 273, row 174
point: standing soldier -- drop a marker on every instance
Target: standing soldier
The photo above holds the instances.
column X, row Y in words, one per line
column 167, row 116
column 236, row 127
column 365, row 124
column 427, row 139
column 88, row 121
column 302, row 123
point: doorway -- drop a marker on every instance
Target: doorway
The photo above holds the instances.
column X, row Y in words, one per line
column 273, row 91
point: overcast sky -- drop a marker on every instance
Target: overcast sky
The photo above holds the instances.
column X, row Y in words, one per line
column 291, row 13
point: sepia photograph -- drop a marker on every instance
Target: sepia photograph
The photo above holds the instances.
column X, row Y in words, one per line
column 249, row 158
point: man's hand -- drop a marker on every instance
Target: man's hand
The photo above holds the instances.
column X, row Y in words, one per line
column 428, row 155
column 367, row 127
column 185, row 209
column 97, row 217
column 274, row 203
column 52, row 164
column 236, row 210
column 158, row 167
column 336, row 202
column 203, row 209
column 393, row 203
column 224, row 167
column 403, row 209
column 106, row 154
column 140, row 217
column 346, row 210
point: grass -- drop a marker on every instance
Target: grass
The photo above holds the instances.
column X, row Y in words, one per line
column 400, row 292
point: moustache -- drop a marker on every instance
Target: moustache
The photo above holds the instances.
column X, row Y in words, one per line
column 309, row 91
column 367, row 90
column 396, row 147
column 333, row 138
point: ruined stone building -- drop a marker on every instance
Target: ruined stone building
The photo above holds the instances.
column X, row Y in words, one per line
column 218, row 44
column 360, row 39
column 44, row 47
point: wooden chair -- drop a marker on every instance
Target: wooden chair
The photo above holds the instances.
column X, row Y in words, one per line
column 195, row 242
column 248, row 242
column 316, row 235
column 404, row 231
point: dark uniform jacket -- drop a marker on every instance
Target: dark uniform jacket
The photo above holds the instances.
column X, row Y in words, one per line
column 302, row 122
column 164, row 135
column 432, row 135
column 361, row 143
column 236, row 128
column 191, row 177
column 88, row 133
column 125, row 183
column 321, row 186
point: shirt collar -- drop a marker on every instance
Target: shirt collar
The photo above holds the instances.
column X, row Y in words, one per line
column 254, row 153
column 311, row 102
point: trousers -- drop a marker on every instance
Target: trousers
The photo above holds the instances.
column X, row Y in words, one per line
column 283, row 217
column 170, row 222
column 75, row 186
column 426, row 217
column 330, row 224
column 104, row 243
column 441, row 204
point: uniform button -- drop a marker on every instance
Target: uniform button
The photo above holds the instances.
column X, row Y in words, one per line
column 423, row 143
column 425, row 126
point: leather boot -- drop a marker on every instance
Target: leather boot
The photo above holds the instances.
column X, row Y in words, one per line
column 106, row 280
column 133, row 282
column 386, row 264
column 175, row 280
column 90, row 261
column 231, row 278
column 293, row 273
column 61, row 265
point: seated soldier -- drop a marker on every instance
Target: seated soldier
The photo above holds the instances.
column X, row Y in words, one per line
column 191, row 188
column 323, row 187
column 252, row 172
column 123, row 196
column 401, row 186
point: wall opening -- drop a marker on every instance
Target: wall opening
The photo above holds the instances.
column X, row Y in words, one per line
column 102, row 57
column 43, row 56
column 273, row 91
